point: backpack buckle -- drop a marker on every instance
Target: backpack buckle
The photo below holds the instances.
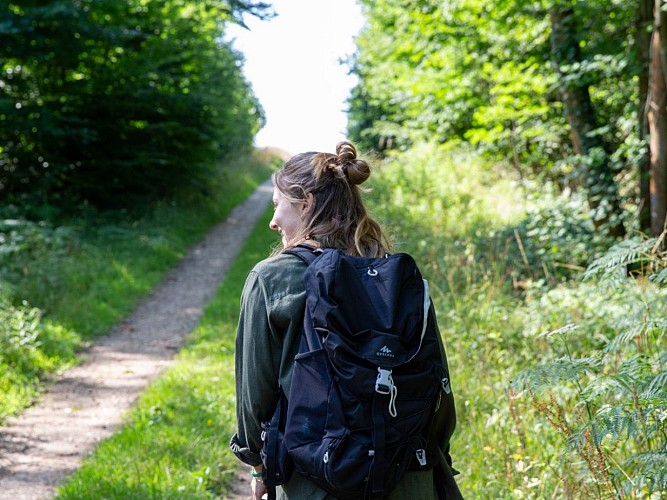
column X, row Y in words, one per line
column 445, row 385
column 421, row 456
column 384, row 382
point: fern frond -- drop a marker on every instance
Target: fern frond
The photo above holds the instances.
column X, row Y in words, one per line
column 660, row 278
column 617, row 385
column 643, row 326
column 653, row 398
column 615, row 422
column 550, row 374
column 649, row 472
column 658, row 383
column 638, row 367
column 619, row 256
column 625, row 336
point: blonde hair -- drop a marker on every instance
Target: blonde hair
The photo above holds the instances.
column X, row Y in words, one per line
column 337, row 217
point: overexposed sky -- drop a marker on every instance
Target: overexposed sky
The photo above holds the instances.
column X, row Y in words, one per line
column 292, row 62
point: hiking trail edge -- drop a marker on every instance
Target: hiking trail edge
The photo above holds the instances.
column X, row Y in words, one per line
column 45, row 444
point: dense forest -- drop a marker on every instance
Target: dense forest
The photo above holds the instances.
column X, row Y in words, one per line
column 106, row 102
column 522, row 154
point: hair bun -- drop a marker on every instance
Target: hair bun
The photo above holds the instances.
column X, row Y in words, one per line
column 346, row 151
column 357, row 171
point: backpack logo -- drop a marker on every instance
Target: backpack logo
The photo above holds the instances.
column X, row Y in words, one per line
column 385, row 351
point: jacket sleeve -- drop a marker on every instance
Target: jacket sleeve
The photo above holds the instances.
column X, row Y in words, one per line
column 257, row 361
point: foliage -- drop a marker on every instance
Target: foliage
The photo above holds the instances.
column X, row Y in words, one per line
column 175, row 444
column 62, row 285
column 29, row 349
column 491, row 328
column 110, row 102
column 484, row 74
column 608, row 401
column 557, row 237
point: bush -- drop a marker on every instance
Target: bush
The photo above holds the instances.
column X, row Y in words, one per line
column 29, row 349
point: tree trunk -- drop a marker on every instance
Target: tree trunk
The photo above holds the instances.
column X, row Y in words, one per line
column 657, row 121
column 597, row 175
column 643, row 28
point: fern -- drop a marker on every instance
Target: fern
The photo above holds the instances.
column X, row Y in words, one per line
column 616, row 385
column 658, row 383
column 615, row 261
column 625, row 336
column 615, row 415
column 662, row 360
column 552, row 373
column 660, row 278
column 651, row 472
column 639, row 367
column 641, row 328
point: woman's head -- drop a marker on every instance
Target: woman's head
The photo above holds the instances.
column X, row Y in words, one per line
column 317, row 197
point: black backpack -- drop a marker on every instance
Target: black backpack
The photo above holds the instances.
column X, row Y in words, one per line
column 368, row 379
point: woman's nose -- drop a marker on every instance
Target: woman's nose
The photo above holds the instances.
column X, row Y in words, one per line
column 273, row 225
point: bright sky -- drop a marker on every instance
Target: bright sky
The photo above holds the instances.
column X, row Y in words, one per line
column 292, row 62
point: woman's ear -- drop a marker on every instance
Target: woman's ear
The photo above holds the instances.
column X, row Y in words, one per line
column 308, row 205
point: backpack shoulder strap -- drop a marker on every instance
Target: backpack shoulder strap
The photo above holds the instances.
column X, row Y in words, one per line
column 306, row 253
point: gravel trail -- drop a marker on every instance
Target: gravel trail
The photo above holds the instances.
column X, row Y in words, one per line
column 45, row 444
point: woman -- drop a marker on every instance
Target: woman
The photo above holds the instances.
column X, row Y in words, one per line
column 318, row 202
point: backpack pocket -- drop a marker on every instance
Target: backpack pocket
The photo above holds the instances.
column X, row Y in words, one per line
column 277, row 463
column 309, row 399
column 341, row 466
column 347, row 464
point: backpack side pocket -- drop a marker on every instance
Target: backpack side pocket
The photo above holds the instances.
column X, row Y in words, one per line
column 277, row 463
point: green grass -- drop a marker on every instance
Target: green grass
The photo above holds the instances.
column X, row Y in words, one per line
column 78, row 278
column 175, row 444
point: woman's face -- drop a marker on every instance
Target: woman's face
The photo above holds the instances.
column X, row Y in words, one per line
column 286, row 217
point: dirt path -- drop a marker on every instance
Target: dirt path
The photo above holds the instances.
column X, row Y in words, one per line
column 45, row 444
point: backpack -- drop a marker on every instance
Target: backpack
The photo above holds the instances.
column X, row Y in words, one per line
column 368, row 378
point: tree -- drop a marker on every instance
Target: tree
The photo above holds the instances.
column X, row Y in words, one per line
column 548, row 87
column 643, row 31
column 657, row 120
column 597, row 174
column 110, row 101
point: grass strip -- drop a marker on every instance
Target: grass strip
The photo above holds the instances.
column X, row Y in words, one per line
column 175, row 442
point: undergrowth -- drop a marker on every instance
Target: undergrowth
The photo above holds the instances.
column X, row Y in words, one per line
column 64, row 281
column 506, row 263
column 603, row 385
